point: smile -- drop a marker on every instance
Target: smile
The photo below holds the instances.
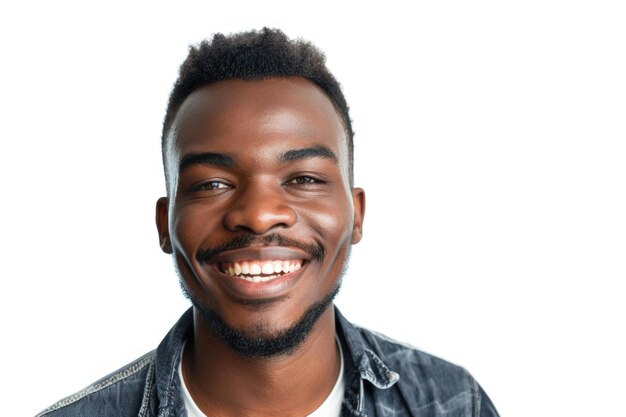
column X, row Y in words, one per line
column 260, row 270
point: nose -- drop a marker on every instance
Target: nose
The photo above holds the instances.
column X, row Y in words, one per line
column 258, row 209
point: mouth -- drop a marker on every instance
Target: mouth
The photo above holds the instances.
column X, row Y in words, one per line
column 261, row 270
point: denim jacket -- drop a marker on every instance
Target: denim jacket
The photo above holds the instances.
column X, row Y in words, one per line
column 383, row 378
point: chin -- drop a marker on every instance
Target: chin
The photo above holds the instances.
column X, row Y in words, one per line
column 264, row 340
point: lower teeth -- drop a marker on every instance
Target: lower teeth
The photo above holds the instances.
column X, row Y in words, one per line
column 259, row 278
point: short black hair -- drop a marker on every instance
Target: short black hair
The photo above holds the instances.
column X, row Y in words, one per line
column 256, row 55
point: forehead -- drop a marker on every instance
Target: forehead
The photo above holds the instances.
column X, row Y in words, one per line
column 256, row 118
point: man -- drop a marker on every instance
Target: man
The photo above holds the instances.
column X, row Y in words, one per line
column 260, row 216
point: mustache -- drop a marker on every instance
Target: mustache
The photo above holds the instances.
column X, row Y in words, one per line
column 314, row 250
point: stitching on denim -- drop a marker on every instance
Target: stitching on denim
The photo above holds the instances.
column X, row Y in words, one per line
column 169, row 391
column 475, row 397
column 136, row 367
column 346, row 406
column 361, row 396
column 145, row 405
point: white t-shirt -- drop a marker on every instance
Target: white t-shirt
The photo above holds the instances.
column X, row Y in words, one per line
column 331, row 407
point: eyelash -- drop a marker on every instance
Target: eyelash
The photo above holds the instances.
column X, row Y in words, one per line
column 210, row 186
column 302, row 180
column 305, row 179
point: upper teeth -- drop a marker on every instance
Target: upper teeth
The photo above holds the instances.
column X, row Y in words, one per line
column 258, row 271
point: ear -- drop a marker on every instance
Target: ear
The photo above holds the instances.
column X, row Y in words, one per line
column 162, row 224
column 358, row 199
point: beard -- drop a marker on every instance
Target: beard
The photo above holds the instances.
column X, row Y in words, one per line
column 260, row 342
column 251, row 343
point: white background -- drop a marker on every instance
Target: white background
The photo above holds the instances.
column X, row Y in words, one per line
column 490, row 138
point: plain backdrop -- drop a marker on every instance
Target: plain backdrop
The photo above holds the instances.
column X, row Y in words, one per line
column 490, row 139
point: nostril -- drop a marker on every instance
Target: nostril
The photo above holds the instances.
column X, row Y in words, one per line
column 259, row 218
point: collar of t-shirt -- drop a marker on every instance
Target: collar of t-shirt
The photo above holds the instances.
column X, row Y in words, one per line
column 331, row 407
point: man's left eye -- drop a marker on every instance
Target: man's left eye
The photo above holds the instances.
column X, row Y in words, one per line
column 303, row 180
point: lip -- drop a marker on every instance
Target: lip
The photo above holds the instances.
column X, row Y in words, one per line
column 244, row 290
column 260, row 253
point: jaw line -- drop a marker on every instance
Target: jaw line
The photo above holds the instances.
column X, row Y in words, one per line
column 236, row 339
column 284, row 342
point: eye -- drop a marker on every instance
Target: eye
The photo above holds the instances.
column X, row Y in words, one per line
column 304, row 179
column 306, row 183
column 210, row 186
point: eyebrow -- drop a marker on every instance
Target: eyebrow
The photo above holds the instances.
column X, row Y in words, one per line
column 206, row 158
column 226, row 161
column 307, row 153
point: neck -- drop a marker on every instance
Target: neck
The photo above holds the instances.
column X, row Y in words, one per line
column 222, row 383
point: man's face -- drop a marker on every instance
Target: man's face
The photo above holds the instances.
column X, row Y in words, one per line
column 260, row 215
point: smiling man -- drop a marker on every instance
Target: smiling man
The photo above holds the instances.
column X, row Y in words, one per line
column 260, row 216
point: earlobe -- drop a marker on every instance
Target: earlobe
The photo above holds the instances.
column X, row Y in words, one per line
column 162, row 225
column 166, row 246
column 358, row 199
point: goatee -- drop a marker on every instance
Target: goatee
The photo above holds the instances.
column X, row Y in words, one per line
column 282, row 342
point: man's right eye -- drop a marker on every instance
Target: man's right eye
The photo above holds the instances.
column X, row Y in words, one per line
column 210, row 186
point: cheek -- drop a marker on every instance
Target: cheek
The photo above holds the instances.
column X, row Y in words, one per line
column 335, row 226
column 190, row 224
column 184, row 236
column 189, row 228
column 333, row 222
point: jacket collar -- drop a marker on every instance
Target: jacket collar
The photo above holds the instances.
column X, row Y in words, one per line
column 369, row 365
column 167, row 358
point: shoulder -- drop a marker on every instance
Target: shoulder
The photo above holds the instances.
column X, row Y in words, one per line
column 426, row 380
column 120, row 393
column 411, row 363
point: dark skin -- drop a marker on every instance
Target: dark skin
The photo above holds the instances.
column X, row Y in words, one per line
column 257, row 158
